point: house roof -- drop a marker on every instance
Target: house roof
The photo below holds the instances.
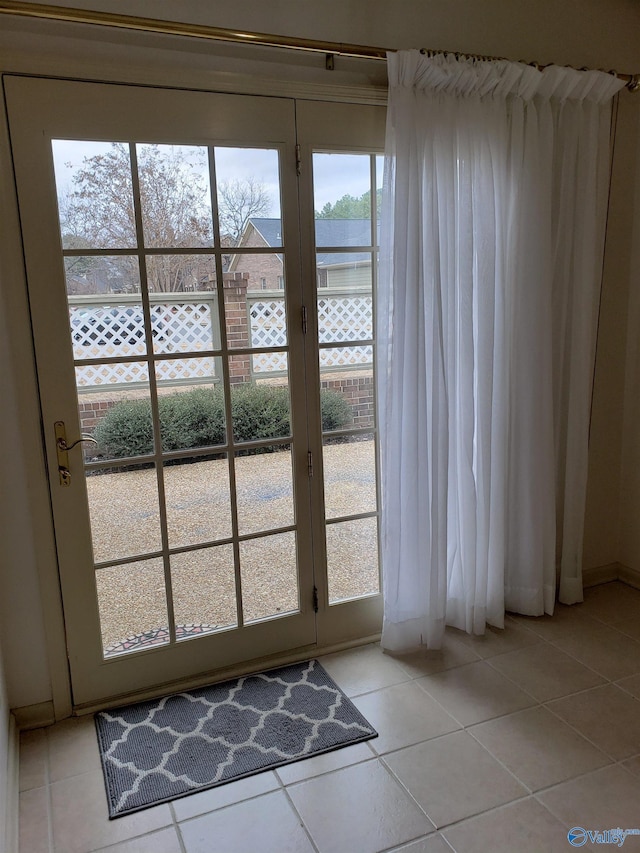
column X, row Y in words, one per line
column 269, row 229
column 333, row 233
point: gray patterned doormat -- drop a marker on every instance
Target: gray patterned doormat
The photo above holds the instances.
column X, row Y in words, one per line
column 166, row 748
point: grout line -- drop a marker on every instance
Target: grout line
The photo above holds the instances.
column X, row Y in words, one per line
column 411, row 841
column 301, row 821
column 180, row 838
column 496, row 809
column 612, row 758
column 286, row 786
column 577, row 776
column 499, row 761
column 176, row 825
column 105, row 848
column 396, row 779
column 453, row 823
column 49, row 792
column 226, row 806
column 626, row 689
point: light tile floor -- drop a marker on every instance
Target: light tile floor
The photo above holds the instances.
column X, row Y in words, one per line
column 495, row 743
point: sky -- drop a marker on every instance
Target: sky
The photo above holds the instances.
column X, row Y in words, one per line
column 335, row 175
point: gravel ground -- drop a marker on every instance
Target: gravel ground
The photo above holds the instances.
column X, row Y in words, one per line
column 125, row 522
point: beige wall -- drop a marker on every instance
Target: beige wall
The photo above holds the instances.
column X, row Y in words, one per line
column 580, row 32
column 604, row 506
column 4, row 755
column 629, row 553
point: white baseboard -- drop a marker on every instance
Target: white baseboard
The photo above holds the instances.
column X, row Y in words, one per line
column 34, row 716
column 601, row 574
column 629, row 576
column 9, row 808
column 611, row 572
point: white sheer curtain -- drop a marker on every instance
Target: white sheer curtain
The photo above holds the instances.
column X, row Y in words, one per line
column 493, row 223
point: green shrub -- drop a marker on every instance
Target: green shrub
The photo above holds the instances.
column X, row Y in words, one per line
column 259, row 412
column 126, row 430
column 335, row 409
column 192, row 419
column 196, row 418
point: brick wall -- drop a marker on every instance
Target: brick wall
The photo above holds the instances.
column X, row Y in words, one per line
column 358, row 391
column 235, row 309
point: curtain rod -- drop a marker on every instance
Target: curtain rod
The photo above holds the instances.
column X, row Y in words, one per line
column 202, row 31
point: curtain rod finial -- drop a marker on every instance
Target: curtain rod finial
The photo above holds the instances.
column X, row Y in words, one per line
column 634, row 83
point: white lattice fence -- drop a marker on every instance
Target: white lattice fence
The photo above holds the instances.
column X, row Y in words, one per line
column 107, row 331
column 115, row 328
column 341, row 317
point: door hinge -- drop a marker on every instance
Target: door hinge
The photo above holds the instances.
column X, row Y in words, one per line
column 305, row 324
column 298, row 161
column 315, row 599
column 310, row 463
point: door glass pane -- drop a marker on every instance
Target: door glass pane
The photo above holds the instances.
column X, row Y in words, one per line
column 248, row 191
column 264, row 486
column 175, row 196
column 90, row 275
column 344, row 272
column 270, row 367
column 107, row 329
column 169, row 273
column 124, row 512
column 352, row 559
column 344, row 297
column 133, row 606
column 198, row 501
column 191, row 403
column 204, row 591
column 347, row 373
column 269, row 576
column 349, row 475
column 185, row 317
column 114, row 407
column 254, row 302
column 342, row 191
column 95, row 194
column 174, row 375
column 260, row 409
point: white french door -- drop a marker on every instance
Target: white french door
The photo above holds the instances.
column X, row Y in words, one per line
column 208, row 520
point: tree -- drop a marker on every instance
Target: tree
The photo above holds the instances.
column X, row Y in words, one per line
column 238, row 201
column 350, row 207
column 98, row 212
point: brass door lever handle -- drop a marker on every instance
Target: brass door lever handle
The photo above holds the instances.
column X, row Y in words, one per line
column 62, row 449
column 61, row 442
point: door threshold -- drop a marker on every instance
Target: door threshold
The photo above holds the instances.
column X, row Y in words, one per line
column 235, row 671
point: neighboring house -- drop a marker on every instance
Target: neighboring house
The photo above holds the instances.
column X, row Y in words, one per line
column 265, row 271
column 334, row 268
